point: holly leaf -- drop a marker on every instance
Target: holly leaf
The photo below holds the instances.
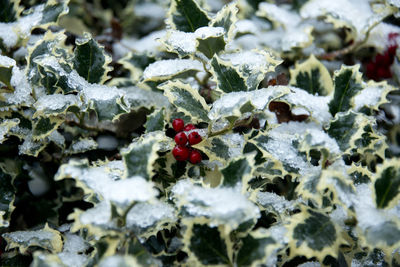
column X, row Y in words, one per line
column 186, row 100
column 6, row 66
column 155, row 121
column 7, row 198
column 226, row 18
column 347, row 83
column 312, row 76
column 228, row 78
column 90, row 60
column 313, row 234
column 46, row 238
column 44, row 126
column 387, row 184
column 169, row 69
column 186, row 16
column 10, row 11
column 237, row 171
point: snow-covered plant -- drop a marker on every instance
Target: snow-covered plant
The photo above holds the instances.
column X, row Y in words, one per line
column 296, row 113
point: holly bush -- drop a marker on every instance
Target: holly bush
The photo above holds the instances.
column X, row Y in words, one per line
column 295, row 109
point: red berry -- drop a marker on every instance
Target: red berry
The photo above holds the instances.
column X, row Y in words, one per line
column 371, row 69
column 384, row 72
column 382, row 60
column 178, row 125
column 189, row 127
column 195, row 157
column 181, row 139
column 194, row 138
column 181, row 153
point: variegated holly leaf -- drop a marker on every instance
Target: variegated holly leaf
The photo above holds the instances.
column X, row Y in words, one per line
column 359, row 16
column 136, row 63
column 253, row 65
column 155, row 121
column 386, row 184
column 6, row 67
column 359, row 174
column 313, row 234
column 10, row 11
column 46, row 238
column 43, row 15
column 237, row 172
column 7, row 198
column 372, row 96
column 186, row 16
column 312, row 76
column 120, row 261
column 207, row 40
column 236, row 104
column 222, row 147
column 226, row 18
column 90, row 60
column 212, row 203
column 141, row 155
column 347, row 83
column 56, row 104
column 354, row 132
column 81, row 145
column 5, row 128
column 136, row 98
column 255, row 249
column 228, row 77
column 207, row 245
column 186, row 100
column 44, row 126
column 289, row 32
column 169, row 69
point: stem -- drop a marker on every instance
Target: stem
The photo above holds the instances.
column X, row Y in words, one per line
column 123, row 218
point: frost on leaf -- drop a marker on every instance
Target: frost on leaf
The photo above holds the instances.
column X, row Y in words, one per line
column 81, row 146
column 372, row 96
column 55, row 104
column 223, row 147
column 223, row 206
column 45, row 238
column 226, row 18
column 7, row 196
column 5, row 127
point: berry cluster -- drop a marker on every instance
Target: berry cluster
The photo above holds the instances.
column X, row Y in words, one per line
column 379, row 68
column 182, row 151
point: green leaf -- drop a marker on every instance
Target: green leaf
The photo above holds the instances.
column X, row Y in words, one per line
column 237, row 171
column 312, row 76
column 255, row 249
column 7, row 196
column 90, row 60
column 52, row 11
column 387, row 184
column 228, row 78
column 155, row 121
column 6, row 66
column 9, row 10
column 169, row 69
column 313, row 234
column 81, row 145
column 141, row 154
column 56, row 104
column 187, row 16
column 5, row 128
column 187, row 100
column 347, row 84
column 207, row 244
column 45, row 238
column 226, row 18
column 211, row 45
column 44, row 126
column 352, row 132
column 385, row 235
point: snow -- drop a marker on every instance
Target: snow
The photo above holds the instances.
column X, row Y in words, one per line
column 278, row 203
column 183, row 42
column 57, row 138
column 280, row 145
column 73, row 259
column 280, row 14
column 318, row 137
column 169, row 67
column 221, row 205
column 250, row 59
column 7, row 62
column 27, row 237
column 150, row 10
column 100, row 214
column 278, row 232
column 144, row 215
column 311, row 264
column 82, row 146
column 107, row 142
column 74, row 243
column 22, row 89
column 55, row 102
column 317, row 105
column 206, row 32
column 148, row 43
column 245, row 26
column 369, row 96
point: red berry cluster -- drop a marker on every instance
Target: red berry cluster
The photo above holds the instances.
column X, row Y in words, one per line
column 182, row 151
column 379, row 68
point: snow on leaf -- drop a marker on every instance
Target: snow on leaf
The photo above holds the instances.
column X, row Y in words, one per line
column 227, row 77
column 55, row 104
column 7, row 197
column 5, row 127
column 358, row 15
column 223, row 206
column 373, row 95
column 81, row 146
column 45, row 238
column 186, row 99
column 168, row 69
column 226, row 18
column 186, row 16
